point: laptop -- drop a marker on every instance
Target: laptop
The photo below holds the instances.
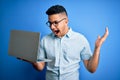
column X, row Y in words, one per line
column 25, row 45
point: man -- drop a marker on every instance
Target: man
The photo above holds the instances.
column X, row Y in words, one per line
column 66, row 48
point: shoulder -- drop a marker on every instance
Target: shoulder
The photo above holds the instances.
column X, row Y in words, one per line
column 78, row 35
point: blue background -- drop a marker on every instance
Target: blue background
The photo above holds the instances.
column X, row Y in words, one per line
column 87, row 17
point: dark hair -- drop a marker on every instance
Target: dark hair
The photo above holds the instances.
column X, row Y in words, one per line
column 56, row 9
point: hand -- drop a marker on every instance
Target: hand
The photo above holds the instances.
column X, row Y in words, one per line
column 37, row 65
column 100, row 40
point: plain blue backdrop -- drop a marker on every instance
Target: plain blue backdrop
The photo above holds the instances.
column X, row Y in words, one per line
column 87, row 17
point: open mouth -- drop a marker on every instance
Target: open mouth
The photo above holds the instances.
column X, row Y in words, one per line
column 56, row 31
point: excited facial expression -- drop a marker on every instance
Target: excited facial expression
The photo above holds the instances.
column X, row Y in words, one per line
column 58, row 23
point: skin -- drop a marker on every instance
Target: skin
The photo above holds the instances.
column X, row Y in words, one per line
column 62, row 28
column 92, row 64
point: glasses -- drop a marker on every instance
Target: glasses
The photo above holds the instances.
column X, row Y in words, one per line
column 55, row 23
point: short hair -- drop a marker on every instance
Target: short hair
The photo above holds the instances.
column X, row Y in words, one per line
column 56, row 9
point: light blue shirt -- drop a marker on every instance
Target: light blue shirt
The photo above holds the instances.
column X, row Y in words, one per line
column 65, row 53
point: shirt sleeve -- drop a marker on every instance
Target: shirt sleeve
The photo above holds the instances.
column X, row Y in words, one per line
column 86, row 52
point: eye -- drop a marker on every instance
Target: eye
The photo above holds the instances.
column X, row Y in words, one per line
column 55, row 22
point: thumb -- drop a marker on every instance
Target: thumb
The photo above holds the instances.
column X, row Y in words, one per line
column 98, row 37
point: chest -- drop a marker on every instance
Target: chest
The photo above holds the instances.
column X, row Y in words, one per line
column 69, row 48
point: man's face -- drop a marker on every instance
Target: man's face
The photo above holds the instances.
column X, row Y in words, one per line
column 58, row 24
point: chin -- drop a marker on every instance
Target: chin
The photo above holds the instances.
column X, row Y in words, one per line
column 58, row 36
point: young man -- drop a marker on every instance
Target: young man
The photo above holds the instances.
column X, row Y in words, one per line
column 66, row 48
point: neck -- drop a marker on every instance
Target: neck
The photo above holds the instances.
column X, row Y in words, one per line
column 65, row 32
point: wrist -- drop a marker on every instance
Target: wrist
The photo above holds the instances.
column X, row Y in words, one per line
column 97, row 49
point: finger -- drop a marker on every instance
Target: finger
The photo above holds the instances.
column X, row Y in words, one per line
column 107, row 31
column 98, row 37
column 105, row 34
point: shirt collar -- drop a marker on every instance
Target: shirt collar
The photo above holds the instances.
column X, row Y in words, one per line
column 69, row 33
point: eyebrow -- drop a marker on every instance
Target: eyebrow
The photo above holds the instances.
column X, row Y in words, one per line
column 57, row 20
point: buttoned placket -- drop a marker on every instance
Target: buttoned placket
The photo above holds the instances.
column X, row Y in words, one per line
column 57, row 54
column 61, row 57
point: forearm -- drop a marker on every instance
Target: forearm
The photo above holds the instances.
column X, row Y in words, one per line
column 93, row 62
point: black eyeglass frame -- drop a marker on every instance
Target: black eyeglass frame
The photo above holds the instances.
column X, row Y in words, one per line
column 55, row 23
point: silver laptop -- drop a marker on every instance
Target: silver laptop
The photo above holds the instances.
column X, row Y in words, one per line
column 25, row 45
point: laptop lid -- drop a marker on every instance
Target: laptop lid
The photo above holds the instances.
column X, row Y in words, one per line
column 24, row 44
